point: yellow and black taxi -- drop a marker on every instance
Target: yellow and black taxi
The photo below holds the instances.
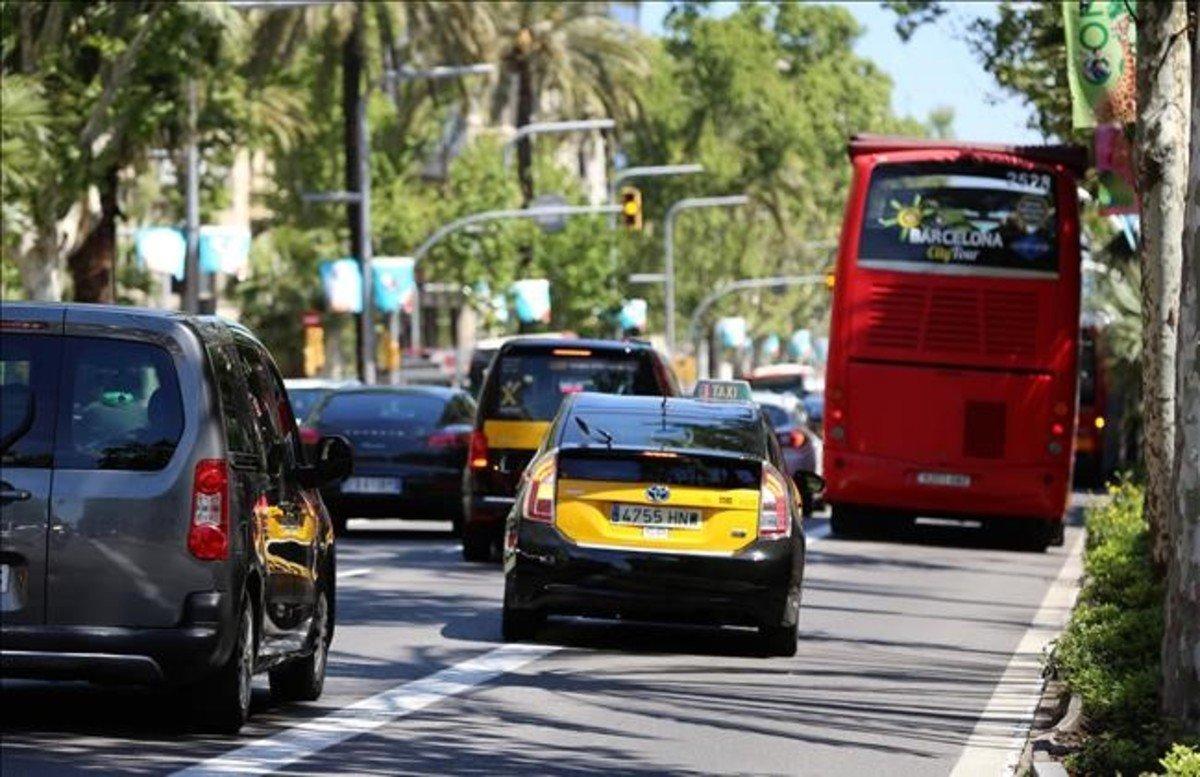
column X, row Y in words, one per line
column 522, row 390
column 665, row 509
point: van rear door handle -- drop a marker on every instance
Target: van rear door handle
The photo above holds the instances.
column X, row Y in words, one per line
column 14, row 495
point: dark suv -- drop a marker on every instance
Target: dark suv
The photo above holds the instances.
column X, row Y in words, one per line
column 522, row 389
column 158, row 523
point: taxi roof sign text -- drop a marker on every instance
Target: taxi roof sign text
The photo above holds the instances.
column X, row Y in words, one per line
column 724, row 390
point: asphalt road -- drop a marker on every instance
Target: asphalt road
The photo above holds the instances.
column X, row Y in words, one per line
column 918, row 656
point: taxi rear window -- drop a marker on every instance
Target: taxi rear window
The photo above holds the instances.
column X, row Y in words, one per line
column 530, row 385
column 734, row 432
column 682, row 470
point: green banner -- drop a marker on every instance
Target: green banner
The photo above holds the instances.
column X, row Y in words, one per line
column 1101, row 69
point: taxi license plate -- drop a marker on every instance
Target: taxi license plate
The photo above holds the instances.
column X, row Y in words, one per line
column 655, row 517
column 951, row 479
column 372, row 486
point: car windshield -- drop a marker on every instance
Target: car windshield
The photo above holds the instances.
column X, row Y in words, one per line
column 530, row 386
column 719, row 431
column 380, row 410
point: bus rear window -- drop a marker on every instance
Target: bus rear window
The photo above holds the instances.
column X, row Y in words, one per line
column 529, row 386
column 924, row 216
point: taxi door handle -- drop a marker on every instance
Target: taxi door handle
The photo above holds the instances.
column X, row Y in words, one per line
column 14, row 495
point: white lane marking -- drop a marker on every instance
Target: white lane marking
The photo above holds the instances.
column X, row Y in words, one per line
column 345, row 573
column 995, row 744
column 272, row 753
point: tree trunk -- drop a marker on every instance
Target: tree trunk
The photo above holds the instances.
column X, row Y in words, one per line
column 41, row 278
column 1164, row 102
column 525, row 109
column 1181, row 638
column 92, row 263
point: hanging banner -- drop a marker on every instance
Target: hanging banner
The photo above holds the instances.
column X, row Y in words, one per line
column 1117, row 192
column 770, row 347
column 731, row 332
column 224, row 249
column 342, row 281
column 1101, row 68
column 394, row 282
column 161, row 249
column 633, row 315
column 531, row 300
column 800, row 345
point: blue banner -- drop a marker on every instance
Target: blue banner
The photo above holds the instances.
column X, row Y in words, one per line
column 800, row 344
column 770, row 347
column 161, row 249
column 633, row 315
column 342, row 280
column 394, row 282
column 531, row 299
column 224, row 249
column 731, row 331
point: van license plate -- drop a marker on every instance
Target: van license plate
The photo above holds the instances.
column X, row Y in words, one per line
column 372, row 486
column 5, row 573
column 951, row 479
column 655, row 517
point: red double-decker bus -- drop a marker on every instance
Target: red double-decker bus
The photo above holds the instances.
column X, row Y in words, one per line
column 951, row 382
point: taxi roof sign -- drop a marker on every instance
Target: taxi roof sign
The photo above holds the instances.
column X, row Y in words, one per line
column 723, row 390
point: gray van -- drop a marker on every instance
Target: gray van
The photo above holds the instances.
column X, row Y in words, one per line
column 158, row 520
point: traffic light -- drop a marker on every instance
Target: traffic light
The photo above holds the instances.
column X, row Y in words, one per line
column 631, row 208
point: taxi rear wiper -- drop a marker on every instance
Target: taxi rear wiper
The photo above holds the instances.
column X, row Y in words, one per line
column 594, row 432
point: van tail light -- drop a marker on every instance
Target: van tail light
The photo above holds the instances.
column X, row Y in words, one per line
column 208, row 534
column 477, row 450
column 774, row 522
column 798, row 438
column 445, row 439
column 539, row 493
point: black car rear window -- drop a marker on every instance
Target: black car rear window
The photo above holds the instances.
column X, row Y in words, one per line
column 304, row 400
column 530, row 385
column 121, row 406
column 379, row 410
column 722, row 430
column 776, row 416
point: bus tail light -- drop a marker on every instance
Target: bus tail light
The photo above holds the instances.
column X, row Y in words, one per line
column 477, row 450
column 774, row 522
column 539, row 493
column 208, row 533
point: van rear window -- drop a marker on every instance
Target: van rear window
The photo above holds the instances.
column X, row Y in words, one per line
column 121, row 404
column 530, row 385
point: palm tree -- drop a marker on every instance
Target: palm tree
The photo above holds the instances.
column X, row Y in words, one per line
column 575, row 51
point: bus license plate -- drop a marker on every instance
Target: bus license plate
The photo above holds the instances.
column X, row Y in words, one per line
column 655, row 517
column 951, row 479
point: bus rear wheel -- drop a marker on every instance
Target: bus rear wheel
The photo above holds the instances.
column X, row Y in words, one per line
column 1028, row 534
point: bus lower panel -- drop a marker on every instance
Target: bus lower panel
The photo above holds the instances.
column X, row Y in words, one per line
column 1021, row 491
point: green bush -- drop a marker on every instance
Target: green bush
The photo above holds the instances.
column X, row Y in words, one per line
column 1182, row 761
column 1109, row 654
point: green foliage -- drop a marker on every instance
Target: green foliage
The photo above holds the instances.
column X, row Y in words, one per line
column 1182, row 761
column 1109, row 654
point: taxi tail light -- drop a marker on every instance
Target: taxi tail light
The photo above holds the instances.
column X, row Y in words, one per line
column 774, row 523
column 208, row 533
column 477, row 450
column 539, row 494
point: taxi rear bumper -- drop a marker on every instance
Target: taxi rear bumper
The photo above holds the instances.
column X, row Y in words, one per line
column 758, row 586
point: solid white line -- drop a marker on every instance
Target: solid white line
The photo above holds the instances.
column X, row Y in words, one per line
column 995, row 744
column 312, row 736
column 353, row 573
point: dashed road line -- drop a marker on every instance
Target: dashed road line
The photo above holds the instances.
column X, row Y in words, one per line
column 345, row 573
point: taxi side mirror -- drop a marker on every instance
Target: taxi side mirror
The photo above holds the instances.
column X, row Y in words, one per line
column 810, row 483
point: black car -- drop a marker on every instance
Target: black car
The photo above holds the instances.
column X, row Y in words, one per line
column 523, row 388
column 659, row 509
column 801, row 446
column 158, row 521
column 410, row 448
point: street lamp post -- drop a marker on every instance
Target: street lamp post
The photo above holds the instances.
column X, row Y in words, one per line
column 690, row 203
column 553, row 127
column 480, row 218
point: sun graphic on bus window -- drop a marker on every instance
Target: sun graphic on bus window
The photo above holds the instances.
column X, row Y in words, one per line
column 908, row 217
